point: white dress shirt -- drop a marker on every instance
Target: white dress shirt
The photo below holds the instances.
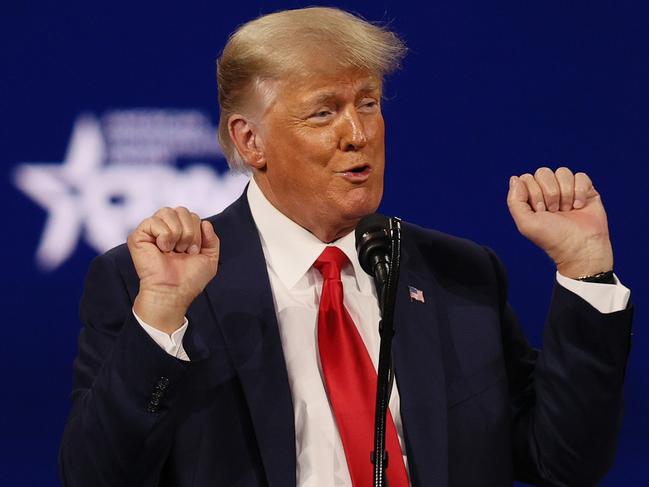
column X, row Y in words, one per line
column 290, row 252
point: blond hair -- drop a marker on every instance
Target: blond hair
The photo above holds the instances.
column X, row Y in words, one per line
column 278, row 45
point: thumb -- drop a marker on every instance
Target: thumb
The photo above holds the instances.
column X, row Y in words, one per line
column 210, row 242
column 517, row 200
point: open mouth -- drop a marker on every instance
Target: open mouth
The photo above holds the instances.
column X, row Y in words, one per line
column 357, row 172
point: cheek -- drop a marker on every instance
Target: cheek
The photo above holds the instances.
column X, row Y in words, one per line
column 376, row 128
column 304, row 153
column 319, row 146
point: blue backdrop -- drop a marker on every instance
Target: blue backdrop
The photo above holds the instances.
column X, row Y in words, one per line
column 109, row 110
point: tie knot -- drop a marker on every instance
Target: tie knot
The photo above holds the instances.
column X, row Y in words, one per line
column 330, row 262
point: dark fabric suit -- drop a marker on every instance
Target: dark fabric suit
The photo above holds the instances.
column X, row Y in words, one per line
column 479, row 406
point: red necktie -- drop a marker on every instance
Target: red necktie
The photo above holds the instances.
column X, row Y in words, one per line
column 350, row 379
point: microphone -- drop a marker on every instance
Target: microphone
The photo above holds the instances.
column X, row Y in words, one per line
column 378, row 243
column 373, row 247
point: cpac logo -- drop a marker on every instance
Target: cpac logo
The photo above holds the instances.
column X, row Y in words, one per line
column 120, row 168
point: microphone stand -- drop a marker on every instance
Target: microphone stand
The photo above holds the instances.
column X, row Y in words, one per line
column 387, row 295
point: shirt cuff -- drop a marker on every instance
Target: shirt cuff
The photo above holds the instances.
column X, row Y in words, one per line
column 605, row 298
column 172, row 344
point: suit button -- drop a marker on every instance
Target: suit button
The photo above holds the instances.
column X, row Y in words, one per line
column 157, row 394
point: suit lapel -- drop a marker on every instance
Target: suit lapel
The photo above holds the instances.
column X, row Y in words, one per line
column 241, row 299
column 421, row 378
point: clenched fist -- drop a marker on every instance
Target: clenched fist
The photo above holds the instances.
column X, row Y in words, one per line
column 562, row 213
column 175, row 256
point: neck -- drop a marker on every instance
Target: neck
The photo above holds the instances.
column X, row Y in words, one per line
column 316, row 223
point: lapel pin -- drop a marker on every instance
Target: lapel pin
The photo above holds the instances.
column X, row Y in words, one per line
column 416, row 294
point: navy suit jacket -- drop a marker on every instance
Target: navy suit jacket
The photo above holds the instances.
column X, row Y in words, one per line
column 479, row 405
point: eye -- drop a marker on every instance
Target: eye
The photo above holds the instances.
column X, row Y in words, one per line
column 369, row 104
column 321, row 114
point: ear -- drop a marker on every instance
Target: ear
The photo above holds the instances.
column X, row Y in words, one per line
column 244, row 134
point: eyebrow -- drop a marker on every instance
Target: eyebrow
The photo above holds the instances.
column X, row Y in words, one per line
column 325, row 96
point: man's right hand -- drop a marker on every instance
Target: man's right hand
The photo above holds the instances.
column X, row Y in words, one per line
column 175, row 256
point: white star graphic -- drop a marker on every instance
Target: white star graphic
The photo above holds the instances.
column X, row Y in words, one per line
column 56, row 187
column 89, row 191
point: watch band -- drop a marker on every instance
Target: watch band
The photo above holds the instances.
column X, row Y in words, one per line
column 600, row 278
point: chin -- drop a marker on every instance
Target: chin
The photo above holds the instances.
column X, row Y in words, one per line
column 358, row 208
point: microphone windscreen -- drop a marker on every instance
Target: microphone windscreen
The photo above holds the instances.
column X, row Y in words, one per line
column 372, row 238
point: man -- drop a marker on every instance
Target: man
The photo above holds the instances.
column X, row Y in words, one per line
column 210, row 360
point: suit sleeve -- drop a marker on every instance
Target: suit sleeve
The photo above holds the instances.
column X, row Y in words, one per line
column 126, row 392
column 566, row 399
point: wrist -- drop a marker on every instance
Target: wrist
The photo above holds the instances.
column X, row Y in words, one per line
column 162, row 311
column 592, row 258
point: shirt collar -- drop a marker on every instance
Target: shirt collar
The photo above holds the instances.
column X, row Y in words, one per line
column 290, row 249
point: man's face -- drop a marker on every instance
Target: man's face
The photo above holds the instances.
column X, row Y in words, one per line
column 323, row 148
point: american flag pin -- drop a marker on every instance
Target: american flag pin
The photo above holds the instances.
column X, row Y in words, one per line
column 416, row 294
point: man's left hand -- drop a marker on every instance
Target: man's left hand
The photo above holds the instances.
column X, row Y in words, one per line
column 562, row 213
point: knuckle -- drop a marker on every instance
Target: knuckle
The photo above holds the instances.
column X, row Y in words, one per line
column 163, row 211
column 172, row 233
column 542, row 170
column 187, row 237
column 188, row 233
column 155, row 224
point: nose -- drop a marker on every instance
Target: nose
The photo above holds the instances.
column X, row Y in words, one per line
column 352, row 132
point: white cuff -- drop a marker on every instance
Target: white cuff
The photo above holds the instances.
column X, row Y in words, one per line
column 172, row 344
column 605, row 298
